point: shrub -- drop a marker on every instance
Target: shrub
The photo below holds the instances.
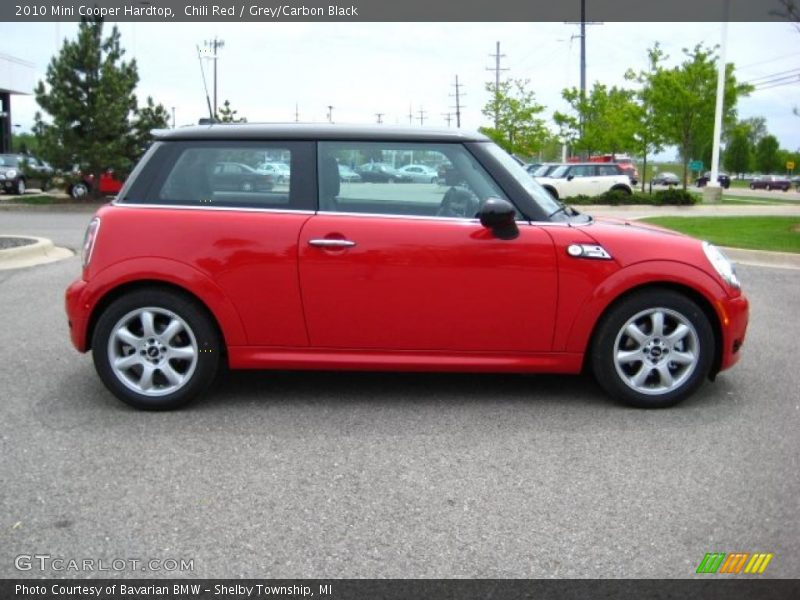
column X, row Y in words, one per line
column 617, row 197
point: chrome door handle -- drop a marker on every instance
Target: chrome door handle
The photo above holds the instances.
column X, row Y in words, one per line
column 326, row 243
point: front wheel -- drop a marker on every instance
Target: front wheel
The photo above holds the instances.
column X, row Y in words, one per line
column 155, row 349
column 20, row 187
column 653, row 349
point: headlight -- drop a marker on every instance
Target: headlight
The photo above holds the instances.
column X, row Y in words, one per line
column 722, row 265
column 11, row 173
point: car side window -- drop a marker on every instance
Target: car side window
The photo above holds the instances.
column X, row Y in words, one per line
column 227, row 174
column 582, row 171
column 456, row 188
column 606, row 170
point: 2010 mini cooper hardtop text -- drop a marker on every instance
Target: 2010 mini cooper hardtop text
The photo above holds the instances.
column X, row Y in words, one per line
column 478, row 269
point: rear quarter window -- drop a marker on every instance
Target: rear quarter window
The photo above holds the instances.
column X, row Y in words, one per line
column 224, row 174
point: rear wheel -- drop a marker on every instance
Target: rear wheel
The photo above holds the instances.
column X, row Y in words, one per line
column 155, row 349
column 79, row 190
column 653, row 349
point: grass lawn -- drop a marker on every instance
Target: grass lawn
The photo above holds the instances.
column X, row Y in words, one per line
column 36, row 199
column 780, row 234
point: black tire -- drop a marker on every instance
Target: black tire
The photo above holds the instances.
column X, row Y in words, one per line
column 622, row 188
column 207, row 345
column 610, row 332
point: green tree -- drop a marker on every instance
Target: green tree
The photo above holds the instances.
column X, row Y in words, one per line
column 610, row 117
column 148, row 117
column 227, row 115
column 738, row 153
column 25, row 143
column 647, row 136
column 88, row 94
column 519, row 129
column 767, row 154
column 684, row 103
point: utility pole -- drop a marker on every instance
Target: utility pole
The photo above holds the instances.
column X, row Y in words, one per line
column 380, row 117
column 173, row 117
column 215, row 45
column 330, row 113
column 458, row 105
column 713, row 183
column 296, row 113
column 410, row 115
column 421, row 112
column 582, row 35
column 448, row 117
column 497, row 56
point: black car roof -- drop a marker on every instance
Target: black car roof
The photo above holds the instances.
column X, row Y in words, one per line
column 307, row 131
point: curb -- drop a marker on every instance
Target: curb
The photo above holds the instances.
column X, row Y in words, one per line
column 39, row 253
column 57, row 207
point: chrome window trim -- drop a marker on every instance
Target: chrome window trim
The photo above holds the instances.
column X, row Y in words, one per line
column 218, row 208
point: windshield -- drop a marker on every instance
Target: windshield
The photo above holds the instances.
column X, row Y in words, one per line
column 536, row 192
column 558, row 172
column 9, row 160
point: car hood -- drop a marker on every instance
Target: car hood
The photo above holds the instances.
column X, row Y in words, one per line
column 6, row 168
column 630, row 242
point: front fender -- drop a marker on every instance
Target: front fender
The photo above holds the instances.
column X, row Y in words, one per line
column 648, row 273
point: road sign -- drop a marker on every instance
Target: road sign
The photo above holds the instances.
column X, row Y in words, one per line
column 790, row 165
column 696, row 165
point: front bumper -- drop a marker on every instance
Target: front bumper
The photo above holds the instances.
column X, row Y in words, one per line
column 734, row 314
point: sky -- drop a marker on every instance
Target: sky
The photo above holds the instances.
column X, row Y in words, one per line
column 268, row 69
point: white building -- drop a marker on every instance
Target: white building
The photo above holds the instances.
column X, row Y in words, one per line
column 16, row 77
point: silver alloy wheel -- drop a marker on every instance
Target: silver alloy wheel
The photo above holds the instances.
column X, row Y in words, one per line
column 79, row 190
column 656, row 351
column 152, row 351
column 21, row 187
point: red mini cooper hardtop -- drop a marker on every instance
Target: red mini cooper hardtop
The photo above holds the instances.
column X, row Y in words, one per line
column 477, row 270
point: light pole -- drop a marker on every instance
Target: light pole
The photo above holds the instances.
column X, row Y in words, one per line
column 215, row 45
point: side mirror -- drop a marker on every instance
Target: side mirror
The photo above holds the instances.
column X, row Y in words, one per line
column 500, row 216
column 570, row 177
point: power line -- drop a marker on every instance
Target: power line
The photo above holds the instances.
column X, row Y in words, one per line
column 769, row 60
column 755, row 80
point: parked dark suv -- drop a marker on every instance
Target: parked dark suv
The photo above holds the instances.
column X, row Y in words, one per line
column 18, row 172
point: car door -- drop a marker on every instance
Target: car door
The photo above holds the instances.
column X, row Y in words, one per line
column 382, row 270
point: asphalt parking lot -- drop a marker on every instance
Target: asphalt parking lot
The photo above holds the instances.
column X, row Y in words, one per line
column 391, row 475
